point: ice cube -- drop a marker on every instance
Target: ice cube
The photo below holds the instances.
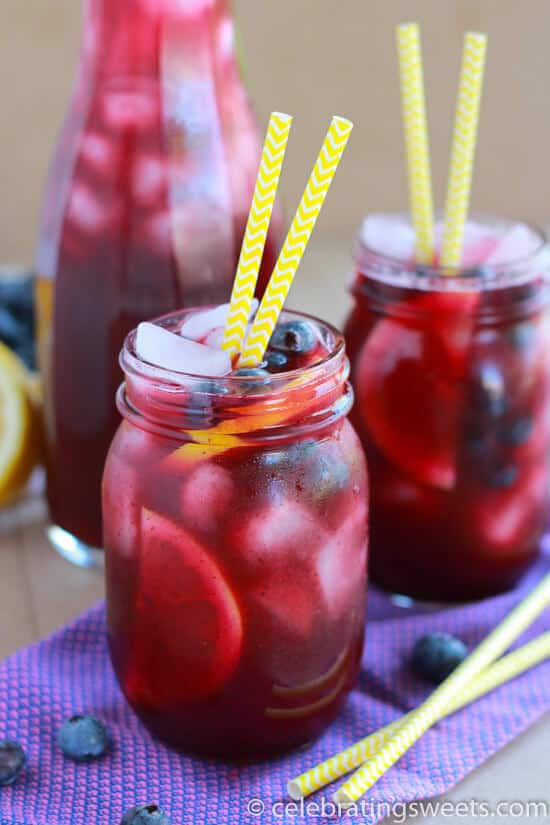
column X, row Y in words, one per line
column 201, row 323
column 149, row 178
column 98, row 152
column 130, row 108
column 285, row 531
column 215, row 338
column 158, row 346
column 85, row 211
column 517, row 243
column 206, row 495
column 290, row 602
column 389, row 235
column 478, row 243
column 341, row 564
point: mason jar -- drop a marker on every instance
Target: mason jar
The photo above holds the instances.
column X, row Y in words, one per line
column 235, row 513
column 451, row 372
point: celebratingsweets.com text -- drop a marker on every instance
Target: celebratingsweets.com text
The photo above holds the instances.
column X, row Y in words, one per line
column 324, row 810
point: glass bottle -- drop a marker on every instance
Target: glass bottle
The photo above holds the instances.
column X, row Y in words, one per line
column 144, row 212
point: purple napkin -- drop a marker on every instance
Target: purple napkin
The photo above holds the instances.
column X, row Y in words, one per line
column 70, row 672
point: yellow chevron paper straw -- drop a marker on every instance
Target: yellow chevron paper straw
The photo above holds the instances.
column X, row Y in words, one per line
column 463, row 147
column 252, row 248
column 496, row 675
column 296, row 241
column 416, row 139
column 429, row 712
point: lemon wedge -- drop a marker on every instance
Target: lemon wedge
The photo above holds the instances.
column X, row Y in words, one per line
column 20, row 430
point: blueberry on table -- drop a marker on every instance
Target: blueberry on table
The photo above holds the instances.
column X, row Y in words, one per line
column 11, row 330
column 17, row 294
column 145, row 815
column 12, row 761
column 294, row 336
column 26, row 351
column 83, row 738
column 436, row 655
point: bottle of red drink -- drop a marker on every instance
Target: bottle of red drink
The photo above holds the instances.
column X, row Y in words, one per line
column 144, row 212
column 451, row 372
column 235, row 512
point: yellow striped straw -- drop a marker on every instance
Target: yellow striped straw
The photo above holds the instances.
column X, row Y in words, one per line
column 252, row 248
column 416, row 139
column 296, row 242
column 463, row 147
column 430, row 711
column 496, row 675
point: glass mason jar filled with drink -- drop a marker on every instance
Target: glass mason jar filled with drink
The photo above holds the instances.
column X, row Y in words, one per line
column 144, row 213
column 451, row 371
column 235, row 518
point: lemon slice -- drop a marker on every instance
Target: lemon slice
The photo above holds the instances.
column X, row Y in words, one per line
column 19, row 427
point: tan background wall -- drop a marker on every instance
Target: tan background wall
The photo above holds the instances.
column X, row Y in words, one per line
column 314, row 58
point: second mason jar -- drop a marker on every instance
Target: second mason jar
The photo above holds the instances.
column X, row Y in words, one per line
column 235, row 514
column 451, row 371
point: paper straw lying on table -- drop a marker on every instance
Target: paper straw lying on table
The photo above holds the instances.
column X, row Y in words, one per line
column 416, row 139
column 463, row 148
column 252, row 250
column 421, row 719
column 496, row 675
column 296, row 241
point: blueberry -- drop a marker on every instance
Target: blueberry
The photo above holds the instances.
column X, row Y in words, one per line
column 488, row 391
column 276, row 360
column 486, row 272
column 294, row 336
column 478, row 441
column 12, row 331
column 17, row 294
column 517, row 432
column 145, row 815
column 325, row 471
column 436, row 655
column 83, row 738
column 250, row 371
column 26, row 351
column 521, row 336
column 503, row 477
column 12, row 761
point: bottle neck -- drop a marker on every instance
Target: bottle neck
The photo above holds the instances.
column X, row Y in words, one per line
column 129, row 37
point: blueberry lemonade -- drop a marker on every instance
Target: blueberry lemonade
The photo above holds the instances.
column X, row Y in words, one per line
column 144, row 213
column 452, row 380
column 235, row 517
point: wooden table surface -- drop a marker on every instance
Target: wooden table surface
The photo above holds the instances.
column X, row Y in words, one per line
column 39, row 591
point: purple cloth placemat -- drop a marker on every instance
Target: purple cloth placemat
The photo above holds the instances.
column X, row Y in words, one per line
column 70, row 672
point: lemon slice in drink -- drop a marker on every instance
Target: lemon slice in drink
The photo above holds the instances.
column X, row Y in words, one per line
column 19, row 426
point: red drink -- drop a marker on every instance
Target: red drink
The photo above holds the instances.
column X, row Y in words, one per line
column 144, row 212
column 235, row 514
column 452, row 382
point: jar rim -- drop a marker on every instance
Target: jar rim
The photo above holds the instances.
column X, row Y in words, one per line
column 231, row 384
column 403, row 273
